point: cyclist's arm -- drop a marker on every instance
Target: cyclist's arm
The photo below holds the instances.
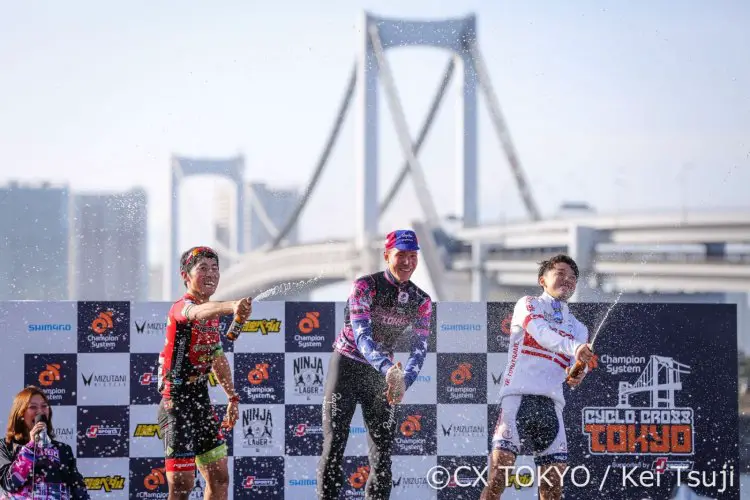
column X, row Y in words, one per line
column 201, row 312
column 551, row 338
column 223, row 373
column 359, row 313
column 419, row 342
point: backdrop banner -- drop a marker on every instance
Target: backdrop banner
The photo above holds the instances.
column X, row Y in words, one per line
column 658, row 412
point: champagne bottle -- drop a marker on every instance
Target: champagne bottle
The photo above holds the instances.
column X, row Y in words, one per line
column 235, row 329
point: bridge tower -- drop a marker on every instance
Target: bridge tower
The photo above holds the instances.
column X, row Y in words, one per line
column 232, row 169
column 456, row 35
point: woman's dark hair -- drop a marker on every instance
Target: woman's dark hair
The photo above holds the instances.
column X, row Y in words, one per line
column 546, row 265
column 17, row 430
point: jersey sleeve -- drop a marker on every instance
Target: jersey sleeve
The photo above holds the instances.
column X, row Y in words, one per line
column 181, row 309
column 528, row 314
column 360, row 302
column 15, row 471
column 420, row 334
column 582, row 336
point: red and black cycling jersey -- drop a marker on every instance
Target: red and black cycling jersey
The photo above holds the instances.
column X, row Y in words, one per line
column 189, row 350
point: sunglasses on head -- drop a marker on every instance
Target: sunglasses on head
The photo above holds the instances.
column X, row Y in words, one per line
column 208, row 251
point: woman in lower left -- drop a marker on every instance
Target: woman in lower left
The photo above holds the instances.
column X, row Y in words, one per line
column 32, row 463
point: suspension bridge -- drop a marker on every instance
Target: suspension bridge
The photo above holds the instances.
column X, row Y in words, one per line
column 472, row 262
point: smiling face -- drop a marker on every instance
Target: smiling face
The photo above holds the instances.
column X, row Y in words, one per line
column 203, row 278
column 559, row 281
column 401, row 263
column 37, row 405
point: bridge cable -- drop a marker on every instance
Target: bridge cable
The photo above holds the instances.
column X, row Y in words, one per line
column 502, row 130
column 417, row 145
column 261, row 212
column 322, row 161
column 402, row 131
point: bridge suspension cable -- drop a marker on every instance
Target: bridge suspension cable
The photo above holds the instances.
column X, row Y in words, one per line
column 502, row 130
column 322, row 161
column 426, row 126
column 262, row 214
column 402, row 131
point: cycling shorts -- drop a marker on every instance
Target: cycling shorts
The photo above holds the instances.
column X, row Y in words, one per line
column 190, row 432
column 531, row 425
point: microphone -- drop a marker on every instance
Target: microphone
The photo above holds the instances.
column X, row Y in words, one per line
column 42, row 438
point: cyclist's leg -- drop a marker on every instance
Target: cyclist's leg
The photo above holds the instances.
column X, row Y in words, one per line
column 552, row 460
column 380, row 420
column 506, row 445
column 178, row 438
column 212, row 451
column 339, row 403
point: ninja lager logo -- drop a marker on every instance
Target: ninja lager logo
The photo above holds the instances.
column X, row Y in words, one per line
column 257, row 426
column 308, row 376
column 657, row 426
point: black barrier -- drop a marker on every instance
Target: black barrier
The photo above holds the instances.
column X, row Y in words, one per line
column 660, row 410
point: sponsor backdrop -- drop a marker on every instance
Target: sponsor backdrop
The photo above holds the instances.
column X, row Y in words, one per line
column 663, row 399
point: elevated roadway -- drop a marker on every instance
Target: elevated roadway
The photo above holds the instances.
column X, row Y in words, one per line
column 508, row 255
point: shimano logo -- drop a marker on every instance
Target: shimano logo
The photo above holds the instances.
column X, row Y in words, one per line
column 303, row 482
column 50, row 327
column 460, row 327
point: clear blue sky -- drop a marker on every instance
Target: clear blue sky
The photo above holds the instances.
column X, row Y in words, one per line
column 606, row 101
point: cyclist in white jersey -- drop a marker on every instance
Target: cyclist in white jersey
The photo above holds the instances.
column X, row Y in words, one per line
column 545, row 342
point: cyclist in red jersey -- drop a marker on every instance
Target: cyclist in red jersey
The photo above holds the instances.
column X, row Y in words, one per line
column 190, row 428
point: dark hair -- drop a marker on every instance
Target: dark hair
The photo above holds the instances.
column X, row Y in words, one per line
column 546, row 265
column 16, row 429
column 190, row 258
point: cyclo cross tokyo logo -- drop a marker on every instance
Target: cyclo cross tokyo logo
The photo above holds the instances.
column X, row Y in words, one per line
column 659, row 428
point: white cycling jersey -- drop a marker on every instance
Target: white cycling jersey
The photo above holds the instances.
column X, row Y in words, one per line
column 544, row 338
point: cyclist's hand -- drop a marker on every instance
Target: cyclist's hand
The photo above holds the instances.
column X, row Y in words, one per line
column 233, row 413
column 396, row 384
column 584, row 354
column 243, row 308
column 574, row 382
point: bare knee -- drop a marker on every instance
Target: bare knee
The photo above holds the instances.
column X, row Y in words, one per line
column 180, row 483
column 217, row 476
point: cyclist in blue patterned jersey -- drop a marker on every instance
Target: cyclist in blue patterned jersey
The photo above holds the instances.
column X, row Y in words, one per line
column 382, row 309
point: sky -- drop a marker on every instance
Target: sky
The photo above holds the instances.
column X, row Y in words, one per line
column 629, row 106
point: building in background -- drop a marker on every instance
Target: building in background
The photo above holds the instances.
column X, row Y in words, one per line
column 108, row 248
column 34, row 236
column 268, row 211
